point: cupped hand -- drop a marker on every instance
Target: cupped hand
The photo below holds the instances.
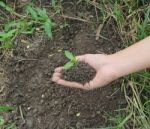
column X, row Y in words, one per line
column 105, row 72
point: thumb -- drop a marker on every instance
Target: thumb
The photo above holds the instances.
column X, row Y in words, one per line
column 83, row 58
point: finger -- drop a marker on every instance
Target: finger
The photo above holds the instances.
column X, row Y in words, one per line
column 82, row 58
column 57, row 74
column 96, row 82
column 58, row 69
column 87, row 86
column 70, row 84
column 55, row 78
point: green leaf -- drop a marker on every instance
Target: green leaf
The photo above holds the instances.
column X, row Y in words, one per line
column 48, row 29
column 2, row 121
column 69, row 55
column 42, row 13
column 10, row 25
column 68, row 65
column 53, row 3
column 28, row 31
column 9, row 9
column 6, row 108
column 9, row 34
column 7, row 44
column 32, row 12
column 11, row 126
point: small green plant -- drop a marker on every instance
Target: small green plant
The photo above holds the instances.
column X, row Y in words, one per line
column 6, row 125
column 3, row 123
column 35, row 18
column 39, row 16
column 72, row 58
column 6, row 38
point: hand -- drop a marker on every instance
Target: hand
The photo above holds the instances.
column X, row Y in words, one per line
column 105, row 73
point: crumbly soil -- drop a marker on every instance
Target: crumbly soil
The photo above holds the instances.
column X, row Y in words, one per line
column 41, row 103
column 82, row 73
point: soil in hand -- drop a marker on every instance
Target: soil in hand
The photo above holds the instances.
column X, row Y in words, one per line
column 81, row 73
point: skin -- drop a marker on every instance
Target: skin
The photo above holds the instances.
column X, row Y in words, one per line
column 111, row 67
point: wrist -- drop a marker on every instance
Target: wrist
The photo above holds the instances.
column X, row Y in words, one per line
column 120, row 66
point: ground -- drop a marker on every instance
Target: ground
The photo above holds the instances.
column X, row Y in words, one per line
column 40, row 103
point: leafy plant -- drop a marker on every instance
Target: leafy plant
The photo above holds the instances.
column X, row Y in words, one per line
column 5, row 125
column 40, row 17
column 72, row 62
column 2, row 121
column 9, row 9
column 6, row 38
column 35, row 18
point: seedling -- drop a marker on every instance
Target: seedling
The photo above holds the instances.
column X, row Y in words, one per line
column 72, row 62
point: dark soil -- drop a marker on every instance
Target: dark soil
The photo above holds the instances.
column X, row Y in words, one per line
column 42, row 104
column 81, row 73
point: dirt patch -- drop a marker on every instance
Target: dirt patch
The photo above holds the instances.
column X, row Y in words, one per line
column 81, row 73
column 43, row 104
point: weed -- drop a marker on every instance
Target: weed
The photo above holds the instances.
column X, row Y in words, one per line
column 40, row 17
column 133, row 22
column 3, row 123
column 6, row 38
column 35, row 18
column 9, row 9
column 72, row 62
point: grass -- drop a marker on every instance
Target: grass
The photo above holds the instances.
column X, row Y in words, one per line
column 132, row 18
column 34, row 19
column 4, row 124
column 133, row 21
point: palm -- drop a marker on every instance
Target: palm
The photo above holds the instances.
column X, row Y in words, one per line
column 104, row 72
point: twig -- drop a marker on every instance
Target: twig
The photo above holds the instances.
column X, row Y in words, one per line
column 99, row 36
column 2, row 88
column 21, row 113
column 75, row 18
column 98, row 31
column 27, row 60
column 4, row 14
column 2, row 55
column 95, row 11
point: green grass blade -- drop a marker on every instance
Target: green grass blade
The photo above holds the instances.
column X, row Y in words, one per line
column 6, row 108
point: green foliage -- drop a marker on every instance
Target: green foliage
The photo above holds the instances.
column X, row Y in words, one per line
column 6, row 38
column 72, row 62
column 40, row 16
column 5, row 125
column 144, row 27
column 36, row 18
column 2, row 121
column 53, row 3
column 7, row 8
column 6, row 108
